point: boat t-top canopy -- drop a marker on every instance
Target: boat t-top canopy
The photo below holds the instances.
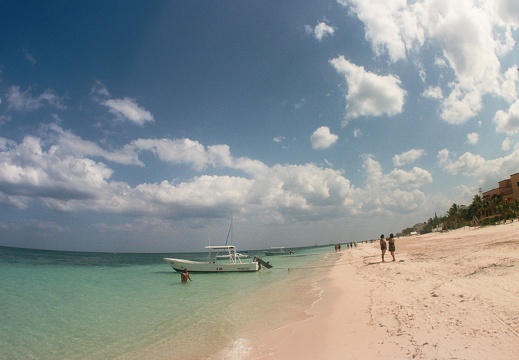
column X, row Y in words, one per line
column 221, row 247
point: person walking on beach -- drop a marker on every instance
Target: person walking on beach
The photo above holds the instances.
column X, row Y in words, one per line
column 383, row 246
column 184, row 276
column 391, row 242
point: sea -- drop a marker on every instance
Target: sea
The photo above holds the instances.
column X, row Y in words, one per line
column 76, row 305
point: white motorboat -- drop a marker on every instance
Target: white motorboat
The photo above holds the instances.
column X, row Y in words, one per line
column 277, row 250
column 232, row 263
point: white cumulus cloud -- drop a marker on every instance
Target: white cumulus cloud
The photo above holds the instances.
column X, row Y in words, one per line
column 505, row 145
column 57, row 171
column 369, row 94
column 508, row 122
column 320, row 31
column 322, row 138
column 473, row 138
column 408, row 157
column 471, row 35
column 433, row 92
column 128, row 109
column 477, row 166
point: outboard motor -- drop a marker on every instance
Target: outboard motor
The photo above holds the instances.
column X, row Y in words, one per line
column 262, row 263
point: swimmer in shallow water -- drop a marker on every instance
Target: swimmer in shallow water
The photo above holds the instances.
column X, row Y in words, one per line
column 184, row 276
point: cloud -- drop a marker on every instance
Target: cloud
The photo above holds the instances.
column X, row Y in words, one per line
column 320, row 31
column 123, row 109
column 473, row 138
column 467, row 163
column 357, row 133
column 476, row 166
column 396, row 191
column 408, row 157
column 396, row 178
column 27, row 171
column 509, row 84
column 29, row 57
column 322, row 138
column 62, row 177
column 4, row 119
column 185, row 151
column 508, row 11
column 299, row 104
column 69, row 144
column 440, row 62
column 388, row 25
column 24, row 101
column 415, row 178
column 461, row 105
column 470, row 37
column 99, row 91
column 369, row 94
column 433, row 92
column 505, row 145
column 508, row 122
column 128, row 109
column 191, row 152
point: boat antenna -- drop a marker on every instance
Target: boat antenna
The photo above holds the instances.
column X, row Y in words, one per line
column 229, row 233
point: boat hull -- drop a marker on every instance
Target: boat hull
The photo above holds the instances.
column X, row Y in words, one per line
column 211, row 266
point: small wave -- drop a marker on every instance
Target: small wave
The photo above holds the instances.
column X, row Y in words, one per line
column 236, row 351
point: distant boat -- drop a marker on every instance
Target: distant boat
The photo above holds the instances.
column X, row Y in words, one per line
column 232, row 264
column 277, row 250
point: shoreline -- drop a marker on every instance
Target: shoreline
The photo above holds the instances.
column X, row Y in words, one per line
column 281, row 295
column 448, row 295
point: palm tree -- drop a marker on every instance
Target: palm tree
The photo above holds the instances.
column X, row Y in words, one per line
column 453, row 214
column 474, row 211
column 485, row 208
column 514, row 206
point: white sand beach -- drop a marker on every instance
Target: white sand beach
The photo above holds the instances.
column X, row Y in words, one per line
column 452, row 295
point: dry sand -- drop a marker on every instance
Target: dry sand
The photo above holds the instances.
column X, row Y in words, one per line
column 451, row 295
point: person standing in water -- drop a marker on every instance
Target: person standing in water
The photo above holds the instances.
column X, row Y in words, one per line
column 184, row 276
column 391, row 242
column 383, row 246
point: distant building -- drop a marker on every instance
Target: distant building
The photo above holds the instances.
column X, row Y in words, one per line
column 437, row 228
column 508, row 190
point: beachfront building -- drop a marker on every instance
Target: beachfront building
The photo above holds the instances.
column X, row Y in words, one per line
column 508, row 190
column 507, row 193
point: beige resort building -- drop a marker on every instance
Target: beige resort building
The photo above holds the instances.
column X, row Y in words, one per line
column 508, row 190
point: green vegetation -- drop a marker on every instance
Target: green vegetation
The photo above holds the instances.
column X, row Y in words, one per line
column 479, row 212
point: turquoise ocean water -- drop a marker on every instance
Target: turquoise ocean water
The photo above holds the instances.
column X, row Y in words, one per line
column 68, row 305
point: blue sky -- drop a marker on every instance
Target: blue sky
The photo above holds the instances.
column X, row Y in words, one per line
column 142, row 126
